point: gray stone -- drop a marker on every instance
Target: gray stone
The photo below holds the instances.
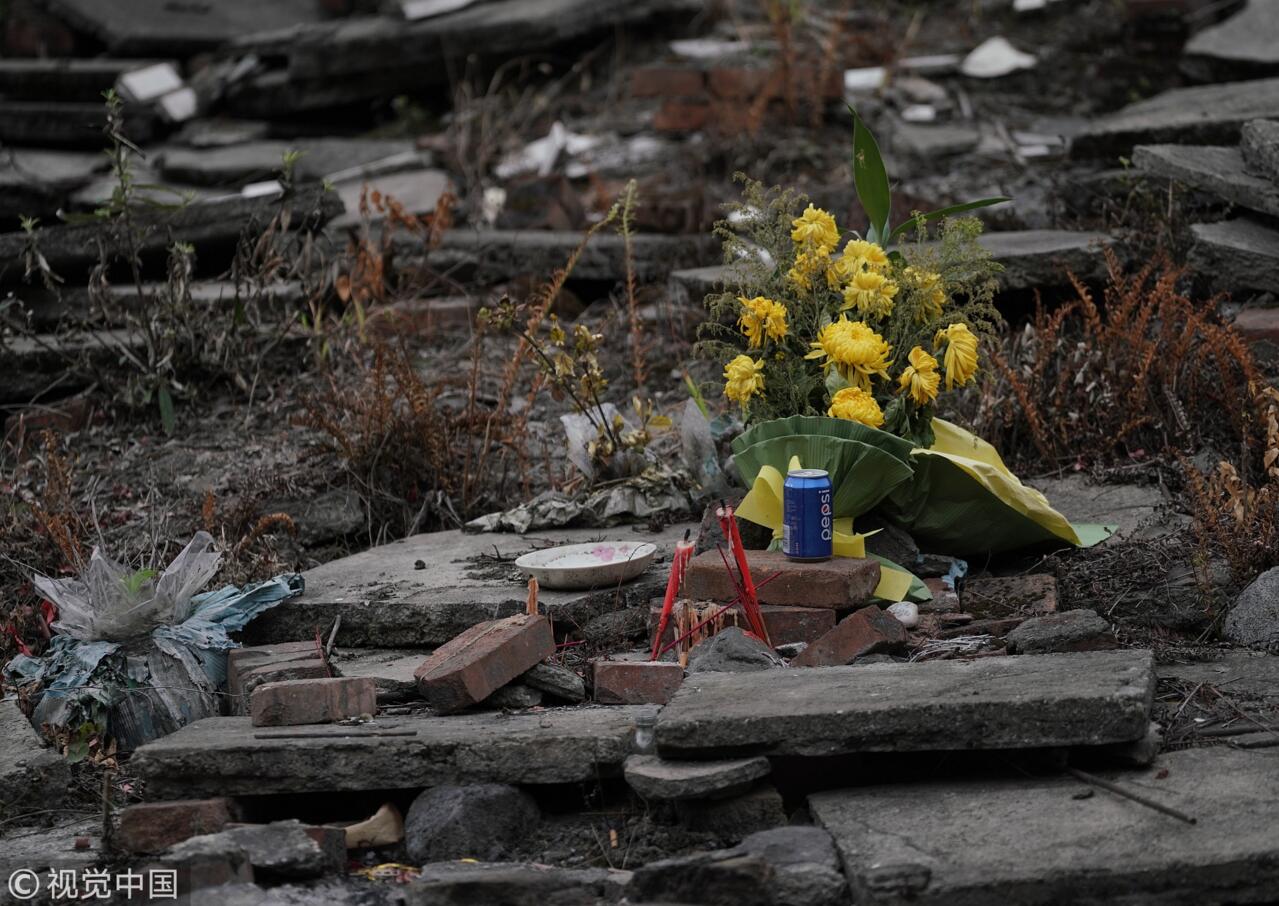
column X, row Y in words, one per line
column 390, row 668
column 736, row 817
column 31, row 776
column 1217, row 171
column 1032, row 840
column 227, row 756
column 929, row 142
column 331, row 892
column 147, row 27
column 1046, row 257
column 616, row 629
column 1247, row 674
column 385, row 602
column 40, row 848
column 1238, row 254
column 281, row 849
column 236, row 164
column 731, row 651
column 482, row 821
column 212, row 860
column 1249, row 39
column 1202, row 114
column 514, row 697
column 514, row 884
column 1128, row 506
column 71, row 125
column 1073, row 630
column 35, row 183
column 805, row 864
column 1031, row 701
column 416, row 191
column 1259, row 142
column 323, row 517
column 659, row 778
column 1254, row 618
column 493, row 256
column 556, row 681
column 721, row 878
column 688, row 288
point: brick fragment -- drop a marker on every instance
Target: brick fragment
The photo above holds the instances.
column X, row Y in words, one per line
column 785, row 625
column 945, row 599
column 667, row 82
column 868, row 631
column 483, row 659
column 637, row 682
column 838, row 583
column 312, row 701
column 682, row 115
column 152, row 827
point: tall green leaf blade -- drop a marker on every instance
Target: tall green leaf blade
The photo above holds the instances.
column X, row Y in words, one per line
column 870, row 178
column 946, row 212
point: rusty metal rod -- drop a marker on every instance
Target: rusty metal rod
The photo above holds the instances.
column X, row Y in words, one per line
column 1115, row 788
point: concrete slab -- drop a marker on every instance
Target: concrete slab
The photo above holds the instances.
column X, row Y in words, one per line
column 35, row 183
column 31, row 776
column 417, row 190
column 1249, row 38
column 251, row 161
column 227, row 756
column 1238, row 674
column 1238, row 254
column 1259, row 142
column 1035, row 840
column 63, row 79
column 1204, row 114
column 41, row 849
column 1132, row 507
column 660, row 778
column 1206, row 168
column 391, row 670
column 386, row 601
column 1030, row 701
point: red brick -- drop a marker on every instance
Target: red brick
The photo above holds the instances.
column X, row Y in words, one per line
column 248, row 668
column 254, row 677
column 945, row 600
column 867, row 631
column 475, row 664
column 667, row 82
column 637, row 682
column 679, row 115
column 841, row 582
column 739, row 83
column 153, row 827
column 785, row 625
column 998, row 597
column 312, row 701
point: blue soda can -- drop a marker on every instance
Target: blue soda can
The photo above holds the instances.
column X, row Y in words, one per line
column 808, row 526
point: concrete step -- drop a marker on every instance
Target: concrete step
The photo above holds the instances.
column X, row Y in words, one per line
column 1237, row 254
column 1216, row 170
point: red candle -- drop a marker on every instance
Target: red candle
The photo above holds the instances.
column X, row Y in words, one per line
column 683, row 553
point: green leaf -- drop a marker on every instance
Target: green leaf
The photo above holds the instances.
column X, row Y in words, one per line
column 835, row 382
column 870, row 178
column 133, row 583
column 945, row 212
column 77, row 752
column 167, row 418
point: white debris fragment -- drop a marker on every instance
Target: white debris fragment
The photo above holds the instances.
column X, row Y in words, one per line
column 179, row 106
column 920, row 113
column 142, row 86
column 540, row 156
column 906, row 613
column 995, row 57
column 931, row 64
column 493, row 203
column 708, row 48
column 425, row 9
column 262, row 189
column 864, row 80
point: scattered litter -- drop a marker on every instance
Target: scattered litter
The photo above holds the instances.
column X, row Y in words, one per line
column 995, row 57
column 864, row 81
column 179, row 106
column 262, row 189
column 541, row 156
column 920, row 113
column 933, row 64
column 708, row 48
column 142, row 86
column 906, row 613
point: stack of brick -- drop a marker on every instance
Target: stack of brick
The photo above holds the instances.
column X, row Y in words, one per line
column 730, row 100
column 249, row 668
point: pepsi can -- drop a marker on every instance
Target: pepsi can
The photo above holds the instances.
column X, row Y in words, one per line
column 808, row 525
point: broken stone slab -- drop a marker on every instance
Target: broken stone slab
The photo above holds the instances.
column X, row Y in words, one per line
column 147, row 27
column 929, row 142
column 385, row 601
column 688, row 288
column 234, row 165
column 417, row 191
column 1031, row 701
column 64, row 79
column 220, row 220
column 836, row 584
column 660, row 778
column 806, row 869
column 391, row 670
column 1214, row 170
column 1246, row 42
column 1127, row 506
column 555, row 680
column 514, row 697
column 1073, row 630
column 1033, row 840
column 494, row 256
column 470, row 883
column 31, row 776
column 280, row 850
column 1203, row 114
column 228, row 756
column 1259, row 142
column 35, row 183
column 40, row 848
column 1247, row 674
column 1254, row 618
column 720, row 878
column 70, row 125
column 469, row 668
column 732, row 650
column 734, row 817
column 1239, row 254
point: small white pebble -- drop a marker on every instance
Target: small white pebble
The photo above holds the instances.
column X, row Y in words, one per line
column 906, row 613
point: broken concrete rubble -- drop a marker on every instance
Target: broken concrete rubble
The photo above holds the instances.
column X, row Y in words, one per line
column 1031, row 840
column 557, row 681
column 1237, row 254
column 152, row 827
column 660, row 778
column 31, row 776
column 483, row 659
column 991, row 703
column 1259, row 142
column 228, row 756
column 1247, row 42
column 733, row 650
column 1215, row 170
column 1073, row 630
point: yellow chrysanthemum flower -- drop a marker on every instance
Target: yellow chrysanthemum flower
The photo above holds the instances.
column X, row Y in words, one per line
column 870, row 293
column 815, row 228
column 852, row 348
column 743, row 378
column 861, row 255
column 961, row 354
column 920, row 379
column 807, row 265
column 932, row 292
column 761, row 317
column 856, row 404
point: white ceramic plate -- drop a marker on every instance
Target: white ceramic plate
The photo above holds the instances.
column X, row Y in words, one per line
column 591, row 565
